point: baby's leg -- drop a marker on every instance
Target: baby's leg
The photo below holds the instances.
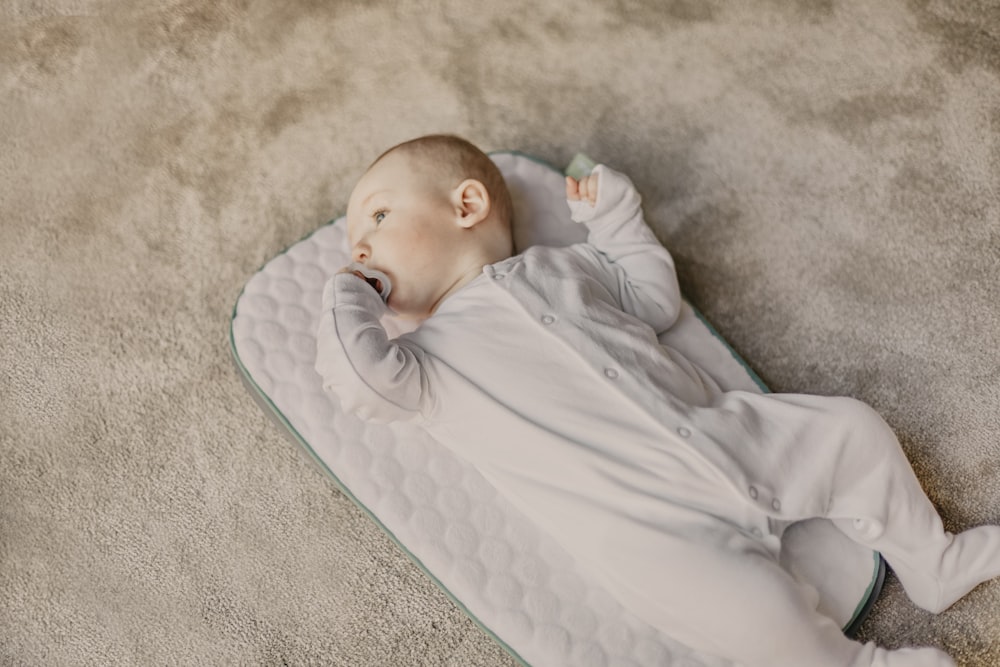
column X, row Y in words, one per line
column 887, row 510
column 736, row 603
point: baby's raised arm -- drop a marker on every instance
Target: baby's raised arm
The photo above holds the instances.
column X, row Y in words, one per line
column 637, row 264
column 374, row 377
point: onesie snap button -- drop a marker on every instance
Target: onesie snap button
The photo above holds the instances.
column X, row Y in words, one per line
column 548, row 319
column 753, row 492
column 776, row 505
column 611, row 373
column 498, row 276
column 683, row 432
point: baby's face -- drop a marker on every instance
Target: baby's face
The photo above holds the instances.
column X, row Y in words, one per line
column 405, row 225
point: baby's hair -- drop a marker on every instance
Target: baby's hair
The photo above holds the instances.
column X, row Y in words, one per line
column 458, row 159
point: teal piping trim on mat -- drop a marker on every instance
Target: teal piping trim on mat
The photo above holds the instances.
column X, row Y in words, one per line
column 868, row 601
column 276, row 414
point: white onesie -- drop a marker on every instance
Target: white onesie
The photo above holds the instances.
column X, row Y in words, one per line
column 545, row 372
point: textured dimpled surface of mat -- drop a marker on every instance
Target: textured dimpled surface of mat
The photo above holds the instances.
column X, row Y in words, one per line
column 515, row 582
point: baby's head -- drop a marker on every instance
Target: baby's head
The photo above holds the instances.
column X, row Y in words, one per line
column 429, row 213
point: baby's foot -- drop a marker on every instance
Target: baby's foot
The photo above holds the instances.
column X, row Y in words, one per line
column 971, row 558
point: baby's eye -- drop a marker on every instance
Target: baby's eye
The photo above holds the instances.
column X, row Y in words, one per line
column 378, row 216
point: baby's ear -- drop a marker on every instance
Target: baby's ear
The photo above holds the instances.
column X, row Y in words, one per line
column 472, row 202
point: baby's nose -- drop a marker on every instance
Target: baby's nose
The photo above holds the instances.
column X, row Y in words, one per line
column 359, row 253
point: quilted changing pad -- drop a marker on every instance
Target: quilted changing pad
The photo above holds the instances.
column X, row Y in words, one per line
column 515, row 582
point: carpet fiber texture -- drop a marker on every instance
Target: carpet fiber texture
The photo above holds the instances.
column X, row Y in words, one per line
column 826, row 174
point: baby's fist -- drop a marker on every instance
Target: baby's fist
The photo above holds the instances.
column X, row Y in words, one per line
column 583, row 190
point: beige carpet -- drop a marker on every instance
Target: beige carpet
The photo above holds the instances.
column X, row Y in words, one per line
column 827, row 174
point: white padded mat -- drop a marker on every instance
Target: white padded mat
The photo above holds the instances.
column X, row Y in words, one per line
column 516, row 583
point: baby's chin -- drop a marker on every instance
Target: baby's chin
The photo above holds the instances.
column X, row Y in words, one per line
column 402, row 312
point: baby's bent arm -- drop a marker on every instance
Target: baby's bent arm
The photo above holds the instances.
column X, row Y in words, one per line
column 643, row 268
column 374, row 377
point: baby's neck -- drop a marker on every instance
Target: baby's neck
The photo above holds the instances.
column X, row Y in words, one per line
column 490, row 249
column 463, row 278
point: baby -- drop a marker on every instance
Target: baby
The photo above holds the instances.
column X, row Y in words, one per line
column 543, row 370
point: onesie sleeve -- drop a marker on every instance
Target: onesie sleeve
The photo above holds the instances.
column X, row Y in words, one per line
column 636, row 263
column 376, row 378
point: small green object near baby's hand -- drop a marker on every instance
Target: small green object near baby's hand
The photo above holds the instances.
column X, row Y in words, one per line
column 584, row 189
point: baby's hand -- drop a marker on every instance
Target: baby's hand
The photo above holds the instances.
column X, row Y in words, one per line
column 352, row 269
column 377, row 280
column 583, row 190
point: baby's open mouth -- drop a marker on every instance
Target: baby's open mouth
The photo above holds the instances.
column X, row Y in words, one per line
column 375, row 278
